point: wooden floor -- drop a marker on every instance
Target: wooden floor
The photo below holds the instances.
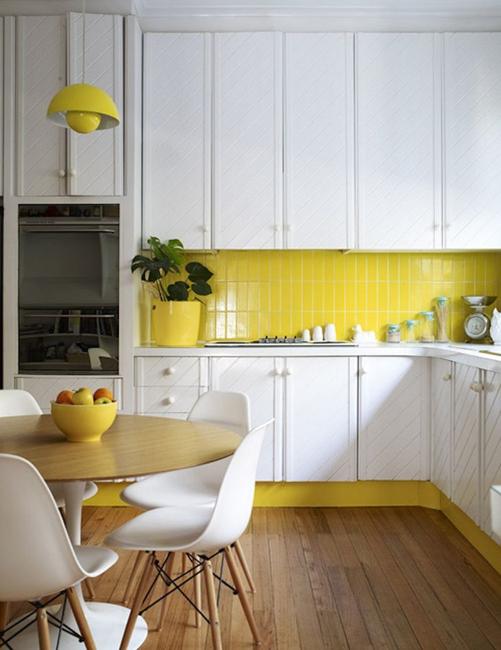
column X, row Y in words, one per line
column 339, row 578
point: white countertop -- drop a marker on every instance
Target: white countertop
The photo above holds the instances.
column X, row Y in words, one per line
column 479, row 356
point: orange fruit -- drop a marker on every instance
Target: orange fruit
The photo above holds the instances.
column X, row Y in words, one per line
column 103, row 392
column 65, row 397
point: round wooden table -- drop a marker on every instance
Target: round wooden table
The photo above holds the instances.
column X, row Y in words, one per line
column 135, row 445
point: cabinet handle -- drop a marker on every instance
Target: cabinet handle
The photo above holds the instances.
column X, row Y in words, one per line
column 362, row 372
column 168, row 401
column 61, row 173
column 287, row 372
column 288, row 227
column 205, row 229
column 277, row 228
column 72, row 173
column 276, row 372
column 477, row 387
column 447, row 377
column 170, row 371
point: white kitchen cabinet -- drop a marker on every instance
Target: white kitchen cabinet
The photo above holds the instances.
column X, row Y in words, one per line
column 52, row 161
column 441, row 424
column 393, row 418
column 472, row 137
column 177, row 138
column 247, row 140
column 318, row 131
column 261, row 380
column 45, row 388
column 491, row 459
column 397, row 141
column 466, row 440
column 320, row 419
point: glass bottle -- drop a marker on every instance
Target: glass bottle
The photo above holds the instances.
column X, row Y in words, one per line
column 393, row 333
column 442, row 313
column 411, row 330
column 427, row 326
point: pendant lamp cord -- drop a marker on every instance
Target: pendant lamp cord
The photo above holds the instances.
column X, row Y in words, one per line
column 83, row 40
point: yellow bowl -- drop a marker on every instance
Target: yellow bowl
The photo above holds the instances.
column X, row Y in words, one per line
column 84, row 423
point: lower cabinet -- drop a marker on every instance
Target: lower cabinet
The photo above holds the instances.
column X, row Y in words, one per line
column 393, row 418
column 466, row 440
column 259, row 378
column 321, row 419
column 491, row 457
column 45, row 388
column 441, row 424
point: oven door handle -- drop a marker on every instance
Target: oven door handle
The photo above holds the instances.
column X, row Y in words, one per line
column 69, row 316
column 65, row 229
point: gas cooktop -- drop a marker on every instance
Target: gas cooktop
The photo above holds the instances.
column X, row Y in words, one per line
column 275, row 341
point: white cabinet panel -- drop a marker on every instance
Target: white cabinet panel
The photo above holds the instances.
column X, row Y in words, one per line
column 248, row 140
column 491, row 461
column 163, row 400
column 171, row 371
column 397, row 141
column 257, row 378
column 40, row 73
column 466, row 440
column 441, row 424
column 46, row 388
column 394, row 417
column 472, row 140
column 95, row 165
column 321, row 419
column 177, row 138
column 318, row 140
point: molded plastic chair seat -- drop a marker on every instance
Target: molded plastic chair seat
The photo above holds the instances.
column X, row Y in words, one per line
column 95, row 560
column 163, row 529
column 193, row 487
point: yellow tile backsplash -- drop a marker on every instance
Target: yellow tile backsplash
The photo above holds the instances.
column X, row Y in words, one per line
column 258, row 293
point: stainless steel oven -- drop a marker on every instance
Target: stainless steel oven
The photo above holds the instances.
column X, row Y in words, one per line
column 68, row 289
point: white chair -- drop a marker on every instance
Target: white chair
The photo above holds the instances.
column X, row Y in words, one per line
column 37, row 558
column 15, row 402
column 198, row 485
column 202, row 533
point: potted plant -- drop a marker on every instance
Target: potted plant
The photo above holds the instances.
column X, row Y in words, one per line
column 175, row 308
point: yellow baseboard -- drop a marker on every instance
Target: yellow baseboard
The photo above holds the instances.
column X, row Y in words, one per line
column 346, row 494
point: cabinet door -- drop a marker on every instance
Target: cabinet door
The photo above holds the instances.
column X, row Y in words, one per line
column 40, row 74
column 176, row 138
column 318, row 140
column 472, row 140
column 394, row 418
column 491, row 474
column 466, row 440
column 95, row 165
column 321, row 419
column 46, row 388
column 248, row 140
column 259, row 379
column 441, row 424
column 397, row 109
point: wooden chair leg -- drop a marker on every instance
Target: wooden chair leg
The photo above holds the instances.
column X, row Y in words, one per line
column 4, row 615
column 183, row 563
column 135, row 569
column 245, row 567
column 79, row 615
column 169, row 567
column 198, row 594
column 212, row 604
column 241, row 594
column 136, row 605
column 43, row 630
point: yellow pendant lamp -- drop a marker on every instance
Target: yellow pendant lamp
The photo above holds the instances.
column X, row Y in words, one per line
column 82, row 107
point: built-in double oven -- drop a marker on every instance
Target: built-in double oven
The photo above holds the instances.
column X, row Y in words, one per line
column 68, row 289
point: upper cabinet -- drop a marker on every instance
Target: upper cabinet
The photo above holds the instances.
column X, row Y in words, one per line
column 318, row 130
column 247, row 173
column 52, row 161
column 398, row 197
column 177, row 138
column 472, row 140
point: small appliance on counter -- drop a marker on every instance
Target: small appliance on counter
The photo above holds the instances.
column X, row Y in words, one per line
column 477, row 324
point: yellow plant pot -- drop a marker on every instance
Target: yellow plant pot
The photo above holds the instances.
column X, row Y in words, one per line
column 175, row 323
column 83, row 422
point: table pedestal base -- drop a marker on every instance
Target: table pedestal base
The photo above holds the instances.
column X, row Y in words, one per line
column 107, row 624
